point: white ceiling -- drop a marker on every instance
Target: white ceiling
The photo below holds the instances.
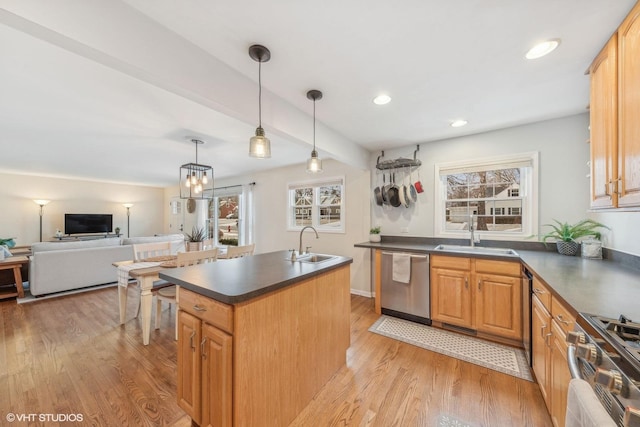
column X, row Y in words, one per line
column 112, row 90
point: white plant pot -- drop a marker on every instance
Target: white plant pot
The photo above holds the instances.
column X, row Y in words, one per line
column 374, row 238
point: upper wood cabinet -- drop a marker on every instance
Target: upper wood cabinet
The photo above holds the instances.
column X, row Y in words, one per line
column 614, row 108
column 629, row 109
column 604, row 126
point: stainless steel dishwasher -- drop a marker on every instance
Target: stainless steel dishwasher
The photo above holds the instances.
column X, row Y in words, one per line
column 411, row 300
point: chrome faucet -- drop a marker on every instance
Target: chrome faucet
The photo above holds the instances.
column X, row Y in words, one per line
column 472, row 230
column 301, row 231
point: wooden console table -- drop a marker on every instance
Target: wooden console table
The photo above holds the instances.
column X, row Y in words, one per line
column 13, row 263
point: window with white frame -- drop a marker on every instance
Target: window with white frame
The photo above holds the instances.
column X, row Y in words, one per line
column 499, row 194
column 317, row 203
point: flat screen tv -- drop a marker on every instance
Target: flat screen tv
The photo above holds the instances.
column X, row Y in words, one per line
column 88, row 223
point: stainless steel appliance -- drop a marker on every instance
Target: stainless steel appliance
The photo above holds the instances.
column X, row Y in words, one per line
column 606, row 353
column 406, row 300
column 527, row 293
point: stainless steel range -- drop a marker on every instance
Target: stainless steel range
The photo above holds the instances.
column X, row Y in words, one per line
column 606, row 353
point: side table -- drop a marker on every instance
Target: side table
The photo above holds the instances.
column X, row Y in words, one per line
column 13, row 263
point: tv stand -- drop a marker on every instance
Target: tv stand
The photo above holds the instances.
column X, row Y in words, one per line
column 76, row 237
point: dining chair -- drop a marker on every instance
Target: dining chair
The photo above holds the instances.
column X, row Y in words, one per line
column 170, row 293
column 240, row 251
column 143, row 251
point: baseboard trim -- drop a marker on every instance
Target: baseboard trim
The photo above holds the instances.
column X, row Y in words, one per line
column 362, row 293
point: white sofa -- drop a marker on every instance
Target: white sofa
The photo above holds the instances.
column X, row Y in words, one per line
column 67, row 265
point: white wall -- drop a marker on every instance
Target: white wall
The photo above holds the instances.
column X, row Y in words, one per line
column 20, row 215
column 270, row 200
column 563, row 183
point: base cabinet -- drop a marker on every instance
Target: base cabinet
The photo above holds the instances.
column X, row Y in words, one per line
column 478, row 294
column 550, row 322
column 204, row 371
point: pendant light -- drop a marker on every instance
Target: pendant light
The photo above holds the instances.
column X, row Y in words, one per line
column 259, row 145
column 196, row 180
column 314, row 164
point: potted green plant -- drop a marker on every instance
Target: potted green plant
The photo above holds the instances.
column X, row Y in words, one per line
column 195, row 239
column 566, row 235
column 8, row 242
column 117, row 230
column 374, row 234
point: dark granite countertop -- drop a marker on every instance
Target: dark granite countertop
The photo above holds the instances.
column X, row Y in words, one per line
column 593, row 286
column 232, row 281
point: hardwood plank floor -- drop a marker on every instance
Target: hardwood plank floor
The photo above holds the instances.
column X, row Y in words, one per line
column 69, row 355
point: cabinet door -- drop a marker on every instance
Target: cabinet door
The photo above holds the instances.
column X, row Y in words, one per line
column 216, row 377
column 189, row 364
column 540, row 335
column 498, row 302
column 629, row 109
column 451, row 297
column 560, row 376
column 604, row 126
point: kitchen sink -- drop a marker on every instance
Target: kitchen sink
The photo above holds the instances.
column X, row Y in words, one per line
column 481, row 250
column 315, row 258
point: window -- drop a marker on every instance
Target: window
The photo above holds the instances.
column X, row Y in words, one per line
column 231, row 213
column 499, row 192
column 318, row 203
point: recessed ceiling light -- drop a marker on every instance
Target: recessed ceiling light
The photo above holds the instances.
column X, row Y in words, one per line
column 458, row 123
column 382, row 99
column 542, row 49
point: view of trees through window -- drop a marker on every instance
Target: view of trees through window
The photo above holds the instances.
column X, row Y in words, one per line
column 493, row 196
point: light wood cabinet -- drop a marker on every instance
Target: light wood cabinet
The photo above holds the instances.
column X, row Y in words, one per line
column 550, row 322
column 478, row 294
column 204, row 371
column 603, row 113
column 450, row 296
column 560, row 375
column 540, row 334
column 259, row 362
column 614, row 108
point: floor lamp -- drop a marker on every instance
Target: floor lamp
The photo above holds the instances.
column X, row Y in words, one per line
column 128, row 206
column 42, row 204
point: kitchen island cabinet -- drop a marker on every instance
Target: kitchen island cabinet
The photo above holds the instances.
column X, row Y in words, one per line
column 259, row 336
column 478, row 294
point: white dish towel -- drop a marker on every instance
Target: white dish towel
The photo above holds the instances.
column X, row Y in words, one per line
column 583, row 407
column 401, row 271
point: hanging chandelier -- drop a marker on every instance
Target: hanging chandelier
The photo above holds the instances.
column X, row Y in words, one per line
column 259, row 145
column 196, row 180
column 314, row 163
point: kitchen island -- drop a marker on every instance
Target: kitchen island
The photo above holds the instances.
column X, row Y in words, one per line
column 259, row 336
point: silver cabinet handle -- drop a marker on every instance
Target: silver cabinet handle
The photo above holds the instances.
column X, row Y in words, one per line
column 560, row 319
column 199, row 308
column 539, row 291
column 466, row 282
column 191, row 343
column 479, row 284
column 202, row 348
column 546, row 339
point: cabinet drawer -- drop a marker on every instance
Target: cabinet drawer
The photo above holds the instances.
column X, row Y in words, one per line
column 503, row 268
column 561, row 315
column 210, row 311
column 451, row 262
column 542, row 292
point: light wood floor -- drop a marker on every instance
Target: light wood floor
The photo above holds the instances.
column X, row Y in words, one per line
column 69, row 355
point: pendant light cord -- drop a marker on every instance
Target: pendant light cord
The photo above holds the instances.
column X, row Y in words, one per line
column 314, row 125
column 260, row 93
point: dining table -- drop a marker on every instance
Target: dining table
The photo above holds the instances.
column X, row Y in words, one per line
column 146, row 273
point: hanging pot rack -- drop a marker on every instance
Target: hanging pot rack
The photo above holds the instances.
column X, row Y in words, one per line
column 400, row 162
